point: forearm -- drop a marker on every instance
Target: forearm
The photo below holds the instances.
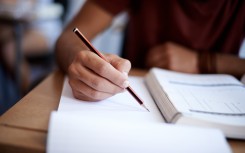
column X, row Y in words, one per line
column 230, row 64
column 66, row 49
column 90, row 21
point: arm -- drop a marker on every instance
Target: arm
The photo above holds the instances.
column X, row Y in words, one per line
column 179, row 58
column 230, row 64
column 91, row 78
column 90, row 20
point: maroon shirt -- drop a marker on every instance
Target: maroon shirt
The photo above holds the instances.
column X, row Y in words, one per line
column 202, row 25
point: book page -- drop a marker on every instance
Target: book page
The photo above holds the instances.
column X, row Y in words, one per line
column 218, row 94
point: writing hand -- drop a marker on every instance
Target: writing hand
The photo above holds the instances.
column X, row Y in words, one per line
column 92, row 78
column 174, row 57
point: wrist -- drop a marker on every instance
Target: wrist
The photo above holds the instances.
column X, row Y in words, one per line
column 207, row 62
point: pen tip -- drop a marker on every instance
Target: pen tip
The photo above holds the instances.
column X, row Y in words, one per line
column 145, row 107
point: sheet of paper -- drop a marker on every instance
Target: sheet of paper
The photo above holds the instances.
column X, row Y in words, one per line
column 122, row 102
column 80, row 132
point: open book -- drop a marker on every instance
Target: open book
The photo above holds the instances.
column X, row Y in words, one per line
column 214, row 100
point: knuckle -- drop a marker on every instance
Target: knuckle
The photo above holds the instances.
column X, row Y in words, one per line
column 88, row 94
column 94, row 95
column 71, row 69
column 118, row 64
column 80, row 96
column 96, row 83
column 76, row 95
column 103, row 68
column 73, row 84
column 82, row 56
column 74, row 91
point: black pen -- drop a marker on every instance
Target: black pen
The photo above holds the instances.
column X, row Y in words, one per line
column 90, row 46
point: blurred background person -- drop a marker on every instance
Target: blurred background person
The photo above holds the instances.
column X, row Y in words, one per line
column 41, row 24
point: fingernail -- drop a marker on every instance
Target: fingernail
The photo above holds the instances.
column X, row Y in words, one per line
column 125, row 84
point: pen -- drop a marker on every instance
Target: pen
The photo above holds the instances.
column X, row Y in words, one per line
column 90, row 46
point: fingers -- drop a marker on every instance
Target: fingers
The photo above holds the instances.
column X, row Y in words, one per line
column 157, row 58
column 104, row 69
column 119, row 63
column 174, row 57
column 92, row 78
column 84, row 92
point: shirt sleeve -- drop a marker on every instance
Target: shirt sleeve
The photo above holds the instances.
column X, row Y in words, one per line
column 113, row 6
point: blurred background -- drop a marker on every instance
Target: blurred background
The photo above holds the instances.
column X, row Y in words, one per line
column 28, row 32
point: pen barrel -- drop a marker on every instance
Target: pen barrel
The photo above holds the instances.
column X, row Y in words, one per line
column 131, row 91
column 88, row 44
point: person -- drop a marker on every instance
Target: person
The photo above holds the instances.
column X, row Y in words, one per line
column 201, row 36
column 39, row 34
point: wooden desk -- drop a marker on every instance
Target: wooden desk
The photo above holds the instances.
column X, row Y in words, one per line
column 24, row 127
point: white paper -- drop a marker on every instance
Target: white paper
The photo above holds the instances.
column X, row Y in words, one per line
column 82, row 132
column 123, row 102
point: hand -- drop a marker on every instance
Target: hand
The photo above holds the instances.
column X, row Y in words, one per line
column 173, row 57
column 92, row 78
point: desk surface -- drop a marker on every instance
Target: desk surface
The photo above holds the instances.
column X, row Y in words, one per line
column 24, row 127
